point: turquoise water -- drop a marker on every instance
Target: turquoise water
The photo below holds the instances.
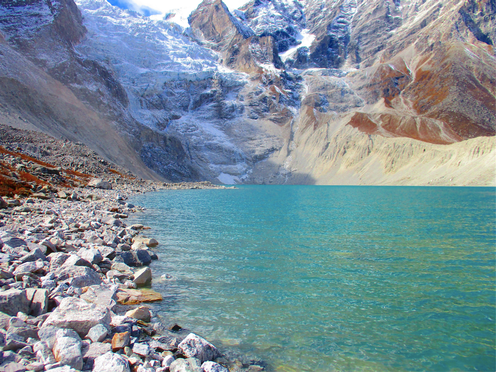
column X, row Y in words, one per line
column 323, row 278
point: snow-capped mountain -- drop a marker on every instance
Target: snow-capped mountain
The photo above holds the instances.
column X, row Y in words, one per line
column 335, row 91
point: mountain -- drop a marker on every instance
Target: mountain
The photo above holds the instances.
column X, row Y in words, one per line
column 277, row 91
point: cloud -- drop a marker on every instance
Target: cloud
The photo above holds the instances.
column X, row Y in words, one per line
column 158, row 8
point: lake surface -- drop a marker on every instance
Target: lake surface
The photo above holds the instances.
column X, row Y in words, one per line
column 325, row 278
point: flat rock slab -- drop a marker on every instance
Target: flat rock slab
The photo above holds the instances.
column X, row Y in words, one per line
column 78, row 315
column 137, row 296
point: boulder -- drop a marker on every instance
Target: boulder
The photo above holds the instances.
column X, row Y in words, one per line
column 14, row 367
column 3, row 203
column 120, row 340
column 103, row 295
column 97, row 333
column 143, row 277
column 91, row 255
column 110, row 362
column 167, row 361
column 98, row 183
column 34, row 255
column 185, row 365
column 14, row 342
column 14, row 300
column 44, row 352
column 213, row 367
column 29, row 267
column 4, row 320
column 194, row 346
column 57, row 260
column 142, row 349
column 38, row 301
column 10, row 241
column 78, row 315
column 138, row 257
column 81, row 276
column 147, row 242
column 92, row 351
column 67, row 349
column 140, row 313
column 75, row 260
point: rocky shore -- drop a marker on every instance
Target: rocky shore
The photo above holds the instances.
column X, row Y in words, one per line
column 73, row 283
column 74, row 277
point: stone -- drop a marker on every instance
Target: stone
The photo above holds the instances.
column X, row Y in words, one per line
column 38, row 301
column 185, row 365
column 14, row 342
column 143, row 277
column 67, row 349
column 103, row 295
column 3, row 203
column 81, row 276
column 140, row 241
column 13, row 242
column 136, row 296
column 48, row 335
column 61, row 369
column 34, row 255
column 143, row 256
column 111, row 221
column 194, row 346
column 14, row 300
column 78, row 315
column 91, row 255
column 14, row 367
column 110, row 362
column 213, row 367
column 122, row 267
column 92, row 351
column 120, row 340
column 4, row 320
column 22, row 329
column 97, row 333
column 75, row 260
column 44, row 352
column 98, row 183
column 57, row 260
column 140, row 313
column 141, row 349
column 29, row 267
column 167, row 361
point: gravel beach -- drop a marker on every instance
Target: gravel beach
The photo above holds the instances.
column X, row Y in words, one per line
column 75, row 279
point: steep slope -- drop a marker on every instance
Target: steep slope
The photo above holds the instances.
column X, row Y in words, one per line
column 421, row 70
column 48, row 86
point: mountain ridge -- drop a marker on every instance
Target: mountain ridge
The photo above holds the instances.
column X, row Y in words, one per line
column 267, row 94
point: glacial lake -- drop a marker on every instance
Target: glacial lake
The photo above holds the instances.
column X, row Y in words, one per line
column 329, row 278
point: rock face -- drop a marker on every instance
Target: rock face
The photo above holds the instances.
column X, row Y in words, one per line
column 315, row 91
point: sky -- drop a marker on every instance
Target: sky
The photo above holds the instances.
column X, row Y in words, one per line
column 156, row 9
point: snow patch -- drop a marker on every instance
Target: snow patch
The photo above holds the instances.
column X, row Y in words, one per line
column 228, row 179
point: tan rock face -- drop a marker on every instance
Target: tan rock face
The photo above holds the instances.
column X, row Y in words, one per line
column 215, row 27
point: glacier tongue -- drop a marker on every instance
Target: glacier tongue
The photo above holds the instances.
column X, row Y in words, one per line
column 170, row 82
